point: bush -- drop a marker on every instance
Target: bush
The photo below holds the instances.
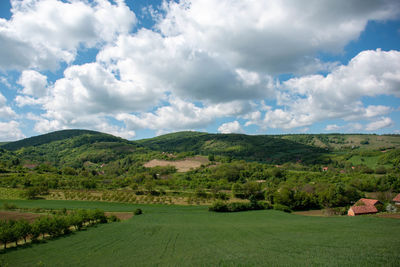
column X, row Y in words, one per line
column 282, row 208
column 138, row 212
column 218, row 206
column 265, row 204
column 113, row 218
column 391, row 208
column 8, row 206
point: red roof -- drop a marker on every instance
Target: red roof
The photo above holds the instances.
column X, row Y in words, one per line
column 368, row 201
column 364, row 209
column 397, row 198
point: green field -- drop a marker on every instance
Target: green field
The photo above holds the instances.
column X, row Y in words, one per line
column 179, row 235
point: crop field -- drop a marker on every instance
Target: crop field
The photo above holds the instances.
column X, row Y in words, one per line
column 181, row 165
column 15, row 215
column 188, row 235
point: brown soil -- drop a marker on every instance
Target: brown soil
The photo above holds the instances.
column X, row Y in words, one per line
column 318, row 213
column 16, row 215
column 120, row 215
column 181, row 165
column 389, row 215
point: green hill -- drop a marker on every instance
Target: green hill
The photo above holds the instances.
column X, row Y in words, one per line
column 340, row 142
column 48, row 138
column 72, row 148
column 239, row 146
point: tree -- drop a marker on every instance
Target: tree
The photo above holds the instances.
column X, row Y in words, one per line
column 22, row 228
column 5, row 233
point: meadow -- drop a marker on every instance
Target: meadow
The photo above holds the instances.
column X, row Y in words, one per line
column 191, row 235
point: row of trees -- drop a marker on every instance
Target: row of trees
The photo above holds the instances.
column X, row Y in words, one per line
column 16, row 230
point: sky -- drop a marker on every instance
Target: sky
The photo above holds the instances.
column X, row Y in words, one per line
column 141, row 68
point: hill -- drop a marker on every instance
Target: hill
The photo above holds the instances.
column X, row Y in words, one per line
column 262, row 148
column 341, row 142
column 71, row 148
column 48, row 138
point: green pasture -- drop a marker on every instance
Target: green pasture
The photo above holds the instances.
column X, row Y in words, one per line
column 371, row 162
column 192, row 236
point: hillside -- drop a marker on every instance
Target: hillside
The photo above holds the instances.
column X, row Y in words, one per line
column 262, row 148
column 71, row 148
column 340, row 142
column 48, row 138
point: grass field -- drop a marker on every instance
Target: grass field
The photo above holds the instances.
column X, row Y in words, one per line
column 188, row 235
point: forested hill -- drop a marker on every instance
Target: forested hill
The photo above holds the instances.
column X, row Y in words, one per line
column 54, row 136
column 239, row 146
column 75, row 147
column 70, row 148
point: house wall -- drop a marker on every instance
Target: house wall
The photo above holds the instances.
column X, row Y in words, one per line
column 351, row 212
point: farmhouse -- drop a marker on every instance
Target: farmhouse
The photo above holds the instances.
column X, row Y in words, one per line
column 360, row 210
column 368, row 201
column 396, row 200
column 364, row 206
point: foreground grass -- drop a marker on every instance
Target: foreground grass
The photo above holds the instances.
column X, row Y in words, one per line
column 178, row 235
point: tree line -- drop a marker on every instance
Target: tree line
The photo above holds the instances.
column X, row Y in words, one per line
column 53, row 226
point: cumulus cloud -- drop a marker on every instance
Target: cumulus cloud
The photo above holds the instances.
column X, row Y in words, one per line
column 43, row 33
column 91, row 89
column 272, row 36
column 33, row 83
column 383, row 122
column 332, row 127
column 10, row 131
column 6, row 112
column 46, row 124
column 314, row 98
column 181, row 115
column 230, row 127
column 172, row 64
column 202, row 60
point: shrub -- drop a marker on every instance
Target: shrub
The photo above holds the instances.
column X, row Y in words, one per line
column 282, row 208
column 391, row 208
column 8, row 206
column 218, row 206
column 113, row 218
column 265, row 204
column 138, row 212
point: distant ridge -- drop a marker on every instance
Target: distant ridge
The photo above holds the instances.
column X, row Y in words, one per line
column 263, row 148
column 48, row 138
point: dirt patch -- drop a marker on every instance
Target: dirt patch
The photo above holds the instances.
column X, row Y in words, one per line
column 16, row 215
column 318, row 213
column 181, row 165
column 120, row 215
column 389, row 215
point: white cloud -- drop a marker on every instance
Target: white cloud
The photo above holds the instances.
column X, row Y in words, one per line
column 380, row 124
column 181, row 115
column 315, row 98
column 42, row 33
column 230, row 127
column 33, row 83
column 6, row 112
column 172, row 64
column 332, row 127
column 46, row 124
column 272, row 36
column 91, row 89
column 204, row 60
column 10, row 131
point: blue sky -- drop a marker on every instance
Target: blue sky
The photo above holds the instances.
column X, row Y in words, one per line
column 138, row 69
